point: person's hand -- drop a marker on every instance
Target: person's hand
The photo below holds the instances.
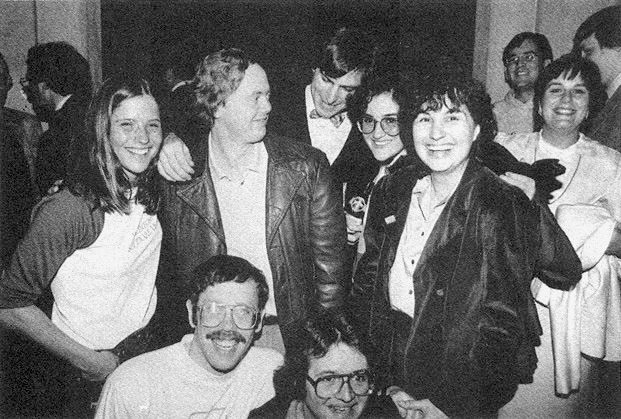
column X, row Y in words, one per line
column 55, row 187
column 175, row 162
column 398, row 396
column 354, row 228
column 102, row 365
column 297, row 410
column 526, row 184
column 421, row 409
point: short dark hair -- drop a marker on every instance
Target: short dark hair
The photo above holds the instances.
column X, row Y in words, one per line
column 349, row 49
column 374, row 86
column 605, row 25
column 95, row 171
column 430, row 93
column 225, row 268
column 61, row 67
column 571, row 65
column 218, row 75
column 315, row 339
column 541, row 42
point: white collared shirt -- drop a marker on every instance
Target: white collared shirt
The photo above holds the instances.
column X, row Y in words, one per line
column 616, row 83
column 324, row 135
column 422, row 217
column 513, row 115
column 242, row 209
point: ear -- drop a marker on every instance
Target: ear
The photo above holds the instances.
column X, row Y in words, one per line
column 190, row 307
column 218, row 111
column 546, row 62
column 260, row 325
column 507, row 78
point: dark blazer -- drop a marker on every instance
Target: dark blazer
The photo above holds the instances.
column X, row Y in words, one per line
column 305, row 231
column 471, row 287
column 606, row 127
column 54, row 145
column 355, row 163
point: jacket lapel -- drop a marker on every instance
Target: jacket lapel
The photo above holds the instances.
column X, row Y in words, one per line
column 194, row 193
column 282, row 186
column 449, row 224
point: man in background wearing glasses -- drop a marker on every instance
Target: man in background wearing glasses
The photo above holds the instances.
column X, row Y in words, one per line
column 524, row 57
column 213, row 372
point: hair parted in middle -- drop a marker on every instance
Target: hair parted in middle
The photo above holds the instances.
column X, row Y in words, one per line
column 95, row 171
column 218, row 75
column 348, row 50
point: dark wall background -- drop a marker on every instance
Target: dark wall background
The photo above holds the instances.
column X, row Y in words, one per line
column 285, row 35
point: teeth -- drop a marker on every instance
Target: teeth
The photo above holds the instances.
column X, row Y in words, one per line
column 224, row 344
column 140, row 151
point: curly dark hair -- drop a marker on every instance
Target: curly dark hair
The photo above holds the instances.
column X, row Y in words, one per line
column 348, row 50
column 315, row 339
column 374, row 86
column 432, row 91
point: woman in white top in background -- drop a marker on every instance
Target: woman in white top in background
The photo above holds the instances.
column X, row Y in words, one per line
column 582, row 327
column 96, row 244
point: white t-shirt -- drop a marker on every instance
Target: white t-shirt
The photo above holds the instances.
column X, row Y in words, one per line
column 167, row 383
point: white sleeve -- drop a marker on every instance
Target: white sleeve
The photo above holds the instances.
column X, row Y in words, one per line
column 121, row 399
column 589, row 228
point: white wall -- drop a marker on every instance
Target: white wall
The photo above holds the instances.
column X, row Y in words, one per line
column 500, row 20
column 23, row 23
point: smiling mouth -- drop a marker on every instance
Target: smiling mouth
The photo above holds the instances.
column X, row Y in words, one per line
column 342, row 410
column 138, row 151
column 564, row 111
column 226, row 345
column 439, row 148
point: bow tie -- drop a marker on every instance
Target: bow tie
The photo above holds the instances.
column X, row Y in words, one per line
column 336, row 120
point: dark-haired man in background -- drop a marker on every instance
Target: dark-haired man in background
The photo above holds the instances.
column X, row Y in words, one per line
column 524, row 57
column 58, row 86
column 598, row 39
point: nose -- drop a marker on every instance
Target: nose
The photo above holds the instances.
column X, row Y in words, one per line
column 142, row 135
column 437, row 130
column 266, row 105
column 567, row 96
column 345, row 394
column 228, row 323
column 332, row 93
column 378, row 131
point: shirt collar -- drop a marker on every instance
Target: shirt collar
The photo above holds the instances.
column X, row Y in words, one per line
column 510, row 97
column 255, row 161
column 178, row 85
column 616, row 83
column 336, row 120
column 62, row 102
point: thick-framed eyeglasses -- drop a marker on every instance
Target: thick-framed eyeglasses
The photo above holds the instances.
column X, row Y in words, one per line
column 528, row 57
column 360, row 382
column 212, row 315
column 390, row 124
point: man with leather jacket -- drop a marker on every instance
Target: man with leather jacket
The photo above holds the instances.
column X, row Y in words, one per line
column 268, row 199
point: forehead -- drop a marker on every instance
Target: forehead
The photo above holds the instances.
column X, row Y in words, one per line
column 382, row 104
column 255, row 80
column 351, row 79
column 232, row 293
column 564, row 78
column 527, row 46
column 136, row 107
column 340, row 359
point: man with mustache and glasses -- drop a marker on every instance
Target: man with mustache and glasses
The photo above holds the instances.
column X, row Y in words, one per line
column 214, row 371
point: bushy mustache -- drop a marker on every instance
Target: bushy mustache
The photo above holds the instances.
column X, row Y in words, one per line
column 226, row 335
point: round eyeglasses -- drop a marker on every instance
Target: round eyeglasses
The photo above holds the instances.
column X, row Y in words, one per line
column 390, row 124
column 528, row 57
column 212, row 315
column 360, row 382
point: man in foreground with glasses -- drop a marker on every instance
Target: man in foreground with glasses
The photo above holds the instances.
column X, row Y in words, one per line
column 212, row 372
column 524, row 57
column 331, row 377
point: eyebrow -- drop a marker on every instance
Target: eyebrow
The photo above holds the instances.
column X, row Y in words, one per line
column 513, row 54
